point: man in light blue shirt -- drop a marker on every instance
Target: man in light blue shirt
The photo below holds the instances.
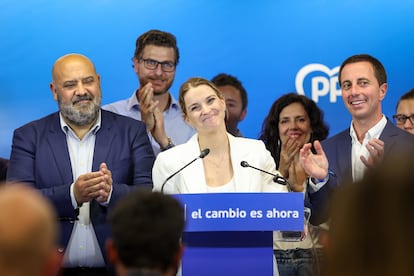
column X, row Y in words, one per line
column 155, row 60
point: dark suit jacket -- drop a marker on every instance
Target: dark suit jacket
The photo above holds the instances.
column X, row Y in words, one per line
column 40, row 157
column 338, row 150
column 4, row 163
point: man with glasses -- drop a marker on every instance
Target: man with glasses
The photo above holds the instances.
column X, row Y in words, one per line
column 404, row 118
column 155, row 60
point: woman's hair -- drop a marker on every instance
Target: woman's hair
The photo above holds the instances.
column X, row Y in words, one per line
column 270, row 128
column 371, row 228
column 193, row 83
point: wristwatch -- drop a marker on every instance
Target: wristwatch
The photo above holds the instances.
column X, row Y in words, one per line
column 168, row 146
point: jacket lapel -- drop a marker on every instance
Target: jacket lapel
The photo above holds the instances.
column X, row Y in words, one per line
column 344, row 157
column 193, row 177
column 104, row 139
column 388, row 136
column 59, row 149
column 240, row 174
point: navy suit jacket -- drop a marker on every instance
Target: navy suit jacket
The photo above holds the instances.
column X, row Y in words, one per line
column 4, row 163
column 338, row 150
column 40, row 157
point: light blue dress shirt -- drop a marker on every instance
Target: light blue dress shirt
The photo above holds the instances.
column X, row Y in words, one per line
column 175, row 126
column 83, row 248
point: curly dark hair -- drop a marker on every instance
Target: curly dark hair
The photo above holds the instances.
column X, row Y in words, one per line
column 270, row 131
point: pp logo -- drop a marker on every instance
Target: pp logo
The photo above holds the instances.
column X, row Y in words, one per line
column 322, row 81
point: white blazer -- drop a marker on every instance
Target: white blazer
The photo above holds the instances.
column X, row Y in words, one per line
column 192, row 178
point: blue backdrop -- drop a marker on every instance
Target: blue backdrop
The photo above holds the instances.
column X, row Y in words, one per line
column 272, row 46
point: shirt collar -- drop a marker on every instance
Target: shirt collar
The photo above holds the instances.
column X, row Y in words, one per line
column 373, row 132
column 94, row 129
column 134, row 104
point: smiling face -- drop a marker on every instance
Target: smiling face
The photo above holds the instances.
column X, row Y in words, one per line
column 161, row 80
column 204, row 109
column 294, row 123
column 76, row 88
column 361, row 92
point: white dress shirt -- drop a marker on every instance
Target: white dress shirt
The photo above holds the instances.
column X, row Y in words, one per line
column 358, row 149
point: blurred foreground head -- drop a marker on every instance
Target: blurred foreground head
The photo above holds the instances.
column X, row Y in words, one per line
column 146, row 234
column 372, row 222
column 28, row 232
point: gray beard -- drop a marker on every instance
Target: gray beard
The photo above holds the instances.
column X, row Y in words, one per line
column 82, row 117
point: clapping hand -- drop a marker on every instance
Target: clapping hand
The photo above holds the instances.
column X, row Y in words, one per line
column 288, row 151
column 147, row 105
column 375, row 148
column 315, row 165
column 94, row 185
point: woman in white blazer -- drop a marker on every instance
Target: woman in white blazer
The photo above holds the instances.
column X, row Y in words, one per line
column 204, row 108
column 220, row 171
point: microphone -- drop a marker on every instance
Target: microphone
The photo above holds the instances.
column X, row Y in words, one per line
column 203, row 154
column 276, row 178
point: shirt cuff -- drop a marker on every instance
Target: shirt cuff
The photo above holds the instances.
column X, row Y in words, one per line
column 316, row 184
column 72, row 197
column 75, row 203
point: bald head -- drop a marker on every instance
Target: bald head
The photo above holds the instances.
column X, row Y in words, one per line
column 76, row 87
column 66, row 62
column 27, row 231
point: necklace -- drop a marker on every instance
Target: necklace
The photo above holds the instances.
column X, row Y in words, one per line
column 217, row 162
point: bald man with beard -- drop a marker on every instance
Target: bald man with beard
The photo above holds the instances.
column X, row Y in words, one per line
column 28, row 233
column 83, row 159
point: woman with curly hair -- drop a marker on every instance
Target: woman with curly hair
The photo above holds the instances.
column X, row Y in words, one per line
column 293, row 121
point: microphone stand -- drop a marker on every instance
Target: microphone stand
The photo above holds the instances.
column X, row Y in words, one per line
column 276, row 177
column 203, row 154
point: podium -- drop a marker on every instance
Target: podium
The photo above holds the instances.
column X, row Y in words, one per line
column 232, row 233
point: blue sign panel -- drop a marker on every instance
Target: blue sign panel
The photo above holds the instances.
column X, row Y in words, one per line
column 243, row 211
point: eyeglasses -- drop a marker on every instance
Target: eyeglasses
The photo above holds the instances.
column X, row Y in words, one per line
column 401, row 118
column 166, row 66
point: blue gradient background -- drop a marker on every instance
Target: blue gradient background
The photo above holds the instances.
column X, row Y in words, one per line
column 264, row 43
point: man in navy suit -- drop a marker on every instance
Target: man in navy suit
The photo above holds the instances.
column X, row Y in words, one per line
column 83, row 159
column 344, row 157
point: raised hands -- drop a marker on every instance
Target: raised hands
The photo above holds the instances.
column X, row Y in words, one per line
column 147, row 105
column 151, row 115
column 288, row 152
column 288, row 166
